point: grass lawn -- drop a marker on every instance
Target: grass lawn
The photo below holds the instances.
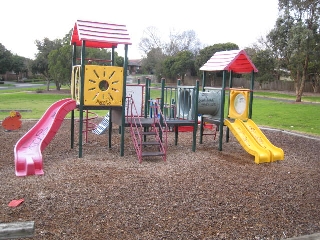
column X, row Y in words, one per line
column 299, row 117
column 272, row 111
column 35, row 104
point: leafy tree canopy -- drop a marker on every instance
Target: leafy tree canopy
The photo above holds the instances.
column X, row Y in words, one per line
column 5, row 60
column 295, row 39
column 264, row 61
column 179, row 65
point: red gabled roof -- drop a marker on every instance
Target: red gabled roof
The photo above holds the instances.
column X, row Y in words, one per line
column 234, row 60
column 99, row 35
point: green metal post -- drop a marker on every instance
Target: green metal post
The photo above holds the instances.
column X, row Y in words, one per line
column 83, row 55
column 146, row 99
column 110, row 129
column 230, row 86
column 195, row 127
column 112, row 56
column 74, row 59
column 204, row 75
column 162, row 94
column 176, row 129
column 146, row 104
column 223, row 94
column 201, row 122
column 251, row 94
column 161, row 105
column 110, row 110
column 124, row 99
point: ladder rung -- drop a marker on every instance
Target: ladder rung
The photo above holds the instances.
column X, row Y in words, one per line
column 150, row 143
column 147, row 133
column 153, row 154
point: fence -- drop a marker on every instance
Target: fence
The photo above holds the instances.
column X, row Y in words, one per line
column 237, row 82
column 245, row 83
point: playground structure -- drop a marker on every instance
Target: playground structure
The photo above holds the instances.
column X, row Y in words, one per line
column 239, row 115
column 95, row 87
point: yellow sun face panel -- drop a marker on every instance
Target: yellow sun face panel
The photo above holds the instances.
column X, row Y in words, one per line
column 103, row 85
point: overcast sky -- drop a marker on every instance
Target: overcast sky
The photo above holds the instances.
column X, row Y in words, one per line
column 214, row 21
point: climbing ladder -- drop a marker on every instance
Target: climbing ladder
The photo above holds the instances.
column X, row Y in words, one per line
column 149, row 135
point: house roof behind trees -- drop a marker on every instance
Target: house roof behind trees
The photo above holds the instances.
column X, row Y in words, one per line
column 135, row 62
column 233, row 60
column 99, row 35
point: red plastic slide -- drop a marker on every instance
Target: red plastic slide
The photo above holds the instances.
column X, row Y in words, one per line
column 28, row 150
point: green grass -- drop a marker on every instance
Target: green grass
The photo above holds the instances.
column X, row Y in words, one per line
column 286, row 96
column 36, row 102
column 266, row 112
column 287, row 115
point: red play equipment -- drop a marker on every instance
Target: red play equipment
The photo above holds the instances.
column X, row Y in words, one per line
column 12, row 122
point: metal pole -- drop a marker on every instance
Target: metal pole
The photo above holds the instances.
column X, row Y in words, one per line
column 201, row 121
column 251, row 94
column 112, row 56
column 223, row 93
column 124, row 99
column 74, row 59
column 83, row 54
column 195, row 127
column 161, row 105
column 230, row 86
column 204, row 75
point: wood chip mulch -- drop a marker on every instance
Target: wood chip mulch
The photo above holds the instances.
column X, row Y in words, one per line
column 206, row 194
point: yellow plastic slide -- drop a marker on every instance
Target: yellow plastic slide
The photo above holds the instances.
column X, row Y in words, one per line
column 254, row 141
column 276, row 153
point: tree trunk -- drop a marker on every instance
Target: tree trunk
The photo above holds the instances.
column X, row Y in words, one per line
column 48, row 84
column 182, row 79
column 297, row 82
column 316, row 83
column 58, row 85
column 300, row 87
column 299, row 94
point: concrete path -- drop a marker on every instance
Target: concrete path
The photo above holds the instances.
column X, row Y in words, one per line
column 315, row 236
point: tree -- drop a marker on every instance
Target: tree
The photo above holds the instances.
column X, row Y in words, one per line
column 119, row 60
column 185, row 41
column 179, row 65
column 5, row 60
column 156, row 51
column 59, row 62
column 41, row 63
column 152, row 64
column 18, row 64
column 314, row 70
column 150, row 40
column 264, row 61
column 295, row 38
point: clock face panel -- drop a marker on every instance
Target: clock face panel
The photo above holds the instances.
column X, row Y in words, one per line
column 240, row 103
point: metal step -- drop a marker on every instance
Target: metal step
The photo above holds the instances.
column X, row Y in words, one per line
column 153, row 154
column 150, row 143
column 148, row 133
